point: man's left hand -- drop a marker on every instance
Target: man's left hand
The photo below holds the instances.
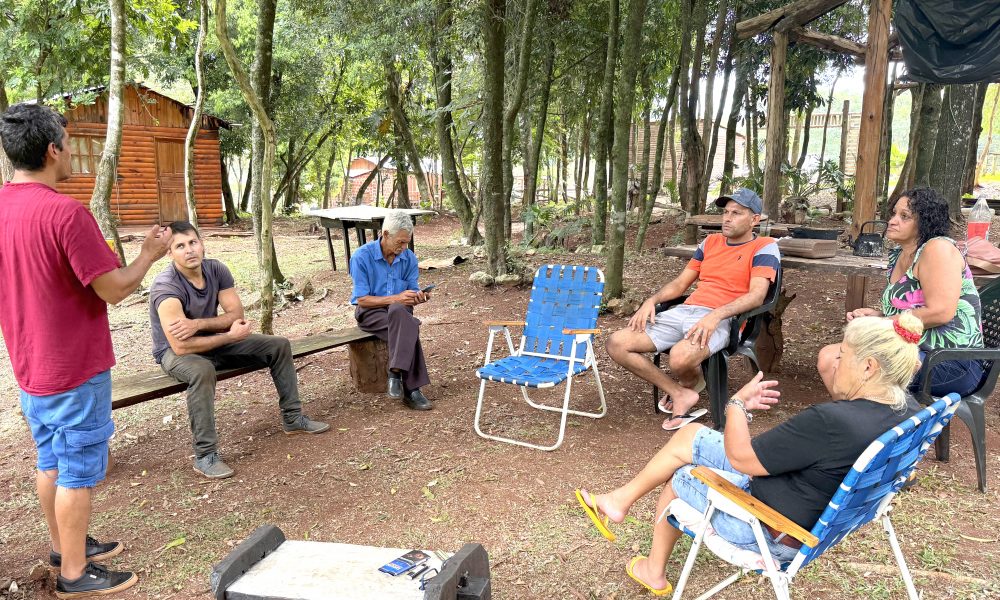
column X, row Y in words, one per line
column 703, row 330
column 182, row 329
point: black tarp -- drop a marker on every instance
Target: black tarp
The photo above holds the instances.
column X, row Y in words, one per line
column 950, row 41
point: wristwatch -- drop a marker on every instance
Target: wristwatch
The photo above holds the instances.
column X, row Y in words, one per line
column 734, row 401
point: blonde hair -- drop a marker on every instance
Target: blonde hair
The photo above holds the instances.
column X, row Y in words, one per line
column 883, row 340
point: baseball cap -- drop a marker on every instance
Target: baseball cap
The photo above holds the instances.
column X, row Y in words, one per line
column 743, row 197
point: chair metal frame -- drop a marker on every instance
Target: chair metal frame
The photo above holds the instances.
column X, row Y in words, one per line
column 866, row 494
column 744, row 329
column 588, row 362
column 972, row 411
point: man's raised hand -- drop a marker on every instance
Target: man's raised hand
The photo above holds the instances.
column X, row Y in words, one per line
column 157, row 242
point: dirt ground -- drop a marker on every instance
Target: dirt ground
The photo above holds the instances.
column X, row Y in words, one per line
column 389, row 476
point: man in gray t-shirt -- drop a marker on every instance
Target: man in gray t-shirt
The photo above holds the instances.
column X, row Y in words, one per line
column 191, row 340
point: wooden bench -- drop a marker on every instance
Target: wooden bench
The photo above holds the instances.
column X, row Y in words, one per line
column 365, row 354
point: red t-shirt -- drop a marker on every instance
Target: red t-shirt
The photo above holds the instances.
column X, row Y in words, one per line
column 54, row 324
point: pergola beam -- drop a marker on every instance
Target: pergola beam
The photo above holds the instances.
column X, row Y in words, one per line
column 828, row 42
column 786, row 18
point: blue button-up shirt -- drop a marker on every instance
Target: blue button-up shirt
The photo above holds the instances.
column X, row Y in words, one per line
column 373, row 276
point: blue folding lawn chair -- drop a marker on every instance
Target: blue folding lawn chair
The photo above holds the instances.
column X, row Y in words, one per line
column 556, row 344
column 866, row 494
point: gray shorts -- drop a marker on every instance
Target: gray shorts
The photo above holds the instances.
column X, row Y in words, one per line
column 671, row 325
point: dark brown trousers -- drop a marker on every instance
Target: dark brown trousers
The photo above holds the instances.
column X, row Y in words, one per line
column 398, row 327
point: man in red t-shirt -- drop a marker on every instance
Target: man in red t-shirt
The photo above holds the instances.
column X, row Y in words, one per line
column 734, row 270
column 57, row 276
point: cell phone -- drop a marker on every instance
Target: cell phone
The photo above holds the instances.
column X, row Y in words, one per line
column 405, row 562
column 429, row 288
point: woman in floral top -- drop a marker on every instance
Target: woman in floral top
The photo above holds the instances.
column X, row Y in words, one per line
column 928, row 277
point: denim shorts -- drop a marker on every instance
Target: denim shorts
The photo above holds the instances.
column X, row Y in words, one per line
column 670, row 326
column 959, row 376
column 709, row 451
column 71, row 431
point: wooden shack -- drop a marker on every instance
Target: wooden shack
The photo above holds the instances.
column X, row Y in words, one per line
column 150, row 182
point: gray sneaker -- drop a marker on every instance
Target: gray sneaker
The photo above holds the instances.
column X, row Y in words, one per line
column 211, row 466
column 303, row 424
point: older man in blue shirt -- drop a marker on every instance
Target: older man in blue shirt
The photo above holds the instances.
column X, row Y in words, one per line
column 384, row 272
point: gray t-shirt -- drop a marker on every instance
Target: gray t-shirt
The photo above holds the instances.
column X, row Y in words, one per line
column 198, row 303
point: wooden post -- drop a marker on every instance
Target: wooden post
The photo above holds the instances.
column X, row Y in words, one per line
column 369, row 366
column 775, row 151
column 872, row 106
column 845, row 131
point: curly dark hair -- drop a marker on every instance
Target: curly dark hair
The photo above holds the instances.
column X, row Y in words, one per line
column 931, row 211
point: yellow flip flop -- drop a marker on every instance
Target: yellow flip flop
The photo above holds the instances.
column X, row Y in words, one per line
column 596, row 515
column 630, row 570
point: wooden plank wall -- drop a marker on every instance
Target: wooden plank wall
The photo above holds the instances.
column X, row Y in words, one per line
column 148, row 117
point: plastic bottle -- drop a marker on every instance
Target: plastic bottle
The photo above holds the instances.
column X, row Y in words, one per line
column 979, row 220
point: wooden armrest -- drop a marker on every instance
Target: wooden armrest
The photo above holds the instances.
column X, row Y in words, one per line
column 755, row 507
column 580, row 331
column 504, row 323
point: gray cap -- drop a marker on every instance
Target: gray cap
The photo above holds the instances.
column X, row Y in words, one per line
column 743, row 197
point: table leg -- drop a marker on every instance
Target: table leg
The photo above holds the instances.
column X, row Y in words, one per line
column 362, row 236
column 329, row 247
column 347, row 244
column 856, row 285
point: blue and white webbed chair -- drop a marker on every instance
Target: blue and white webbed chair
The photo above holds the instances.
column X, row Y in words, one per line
column 556, row 343
column 866, row 494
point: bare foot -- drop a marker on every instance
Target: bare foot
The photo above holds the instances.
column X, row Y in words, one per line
column 606, row 504
column 644, row 571
column 684, row 401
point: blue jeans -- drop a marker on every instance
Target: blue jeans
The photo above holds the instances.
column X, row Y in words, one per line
column 959, row 376
column 71, row 431
column 708, row 451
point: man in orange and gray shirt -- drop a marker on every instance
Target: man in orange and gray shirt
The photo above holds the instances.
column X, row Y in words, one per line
column 734, row 270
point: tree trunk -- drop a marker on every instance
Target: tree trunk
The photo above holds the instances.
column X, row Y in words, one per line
column 969, row 182
column 930, row 114
column 199, row 105
column 227, row 192
column 989, row 139
column 907, row 173
column 605, row 116
column 643, row 158
column 491, row 181
column 952, row 149
column 533, row 159
column 402, row 124
column 564, row 160
column 793, row 157
column 516, row 99
column 260, row 80
column 753, row 138
column 826, row 125
column 402, row 172
column 585, row 179
column 804, row 151
column 657, row 181
column 444, row 124
column 6, row 168
column 727, row 71
column 360, row 196
column 692, row 186
column 885, row 144
column 729, row 162
column 328, row 177
column 624, row 104
column 262, row 199
column 248, row 186
column 107, row 169
column 710, row 122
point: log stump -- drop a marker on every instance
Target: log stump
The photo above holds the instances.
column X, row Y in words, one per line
column 369, row 365
column 771, row 341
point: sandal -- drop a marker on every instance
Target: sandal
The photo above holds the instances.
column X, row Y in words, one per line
column 599, row 519
column 630, row 569
column 684, row 419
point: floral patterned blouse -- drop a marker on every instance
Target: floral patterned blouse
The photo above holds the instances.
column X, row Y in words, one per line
column 965, row 330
